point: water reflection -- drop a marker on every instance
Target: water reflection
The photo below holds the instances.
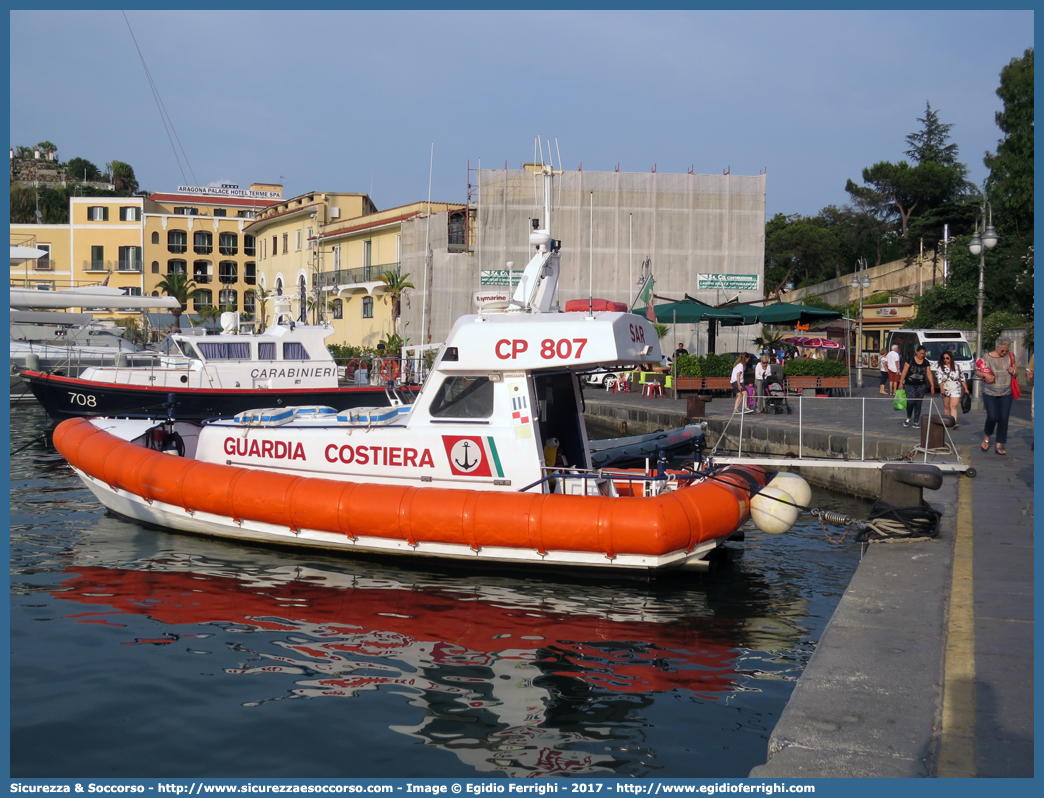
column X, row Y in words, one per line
column 489, row 660
column 124, row 637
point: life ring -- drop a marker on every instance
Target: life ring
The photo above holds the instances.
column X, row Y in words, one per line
column 390, row 369
column 351, row 367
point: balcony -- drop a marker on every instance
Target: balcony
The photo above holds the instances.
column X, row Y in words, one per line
column 98, row 265
column 129, row 266
column 43, row 265
column 362, row 274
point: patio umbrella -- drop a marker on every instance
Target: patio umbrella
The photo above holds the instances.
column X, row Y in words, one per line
column 689, row 312
column 813, row 342
column 779, row 313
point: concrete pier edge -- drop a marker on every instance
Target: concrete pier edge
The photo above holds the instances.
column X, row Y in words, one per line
column 870, row 701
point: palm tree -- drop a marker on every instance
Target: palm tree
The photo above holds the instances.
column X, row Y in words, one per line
column 397, row 285
column 261, row 296
column 209, row 313
column 180, row 287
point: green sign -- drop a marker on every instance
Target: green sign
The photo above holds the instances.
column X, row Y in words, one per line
column 499, row 277
column 728, row 282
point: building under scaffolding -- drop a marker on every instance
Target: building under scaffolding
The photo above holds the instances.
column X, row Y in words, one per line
column 701, row 235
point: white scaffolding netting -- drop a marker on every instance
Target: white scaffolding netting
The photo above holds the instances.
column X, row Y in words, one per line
column 683, row 224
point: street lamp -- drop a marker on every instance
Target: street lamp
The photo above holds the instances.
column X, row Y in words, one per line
column 860, row 280
column 981, row 241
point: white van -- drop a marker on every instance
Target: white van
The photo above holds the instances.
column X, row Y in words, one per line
column 935, row 343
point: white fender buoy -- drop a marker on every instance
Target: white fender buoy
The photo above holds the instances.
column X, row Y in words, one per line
column 772, row 510
column 794, row 485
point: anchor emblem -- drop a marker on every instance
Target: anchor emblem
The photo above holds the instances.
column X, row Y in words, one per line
column 466, row 465
column 466, row 455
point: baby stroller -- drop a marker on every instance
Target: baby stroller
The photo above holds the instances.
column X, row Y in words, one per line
column 776, row 397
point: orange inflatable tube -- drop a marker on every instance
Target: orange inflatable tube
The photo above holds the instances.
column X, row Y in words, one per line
column 675, row 521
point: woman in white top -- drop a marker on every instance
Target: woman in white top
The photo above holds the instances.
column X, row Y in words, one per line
column 951, row 384
column 761, row 373
column 737, row 382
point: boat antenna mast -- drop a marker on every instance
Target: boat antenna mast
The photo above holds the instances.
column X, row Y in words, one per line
column 536, row 287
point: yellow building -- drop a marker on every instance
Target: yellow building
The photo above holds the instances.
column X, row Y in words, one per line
column 325, row 251
column 202, row 234
column 47, row 273
column 133, row 243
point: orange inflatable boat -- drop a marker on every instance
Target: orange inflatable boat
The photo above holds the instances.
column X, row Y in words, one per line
column 675, row 528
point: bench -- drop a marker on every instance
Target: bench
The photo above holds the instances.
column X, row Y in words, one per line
column 836, row 386
column 797, row 385
column 703, row 384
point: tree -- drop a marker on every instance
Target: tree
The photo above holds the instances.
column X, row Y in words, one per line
column 930, row 143
column 82, row 169
column 397, row 286
column 210, row 313
column 122, row 176
column 47, row 146
column 1010, row 184
column 894, row 192
column 180, row 287
column 798, row 247
column 261, row 296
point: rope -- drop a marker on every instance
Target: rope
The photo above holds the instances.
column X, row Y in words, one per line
column 34, row 440
column 886, row 521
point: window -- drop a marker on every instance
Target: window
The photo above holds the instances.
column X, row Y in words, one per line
column 337, row 306
column 187, row 211
column 275, row 245
column 236, row 350
column 250, row 273
column 203, row 243
column 248, row 246
column 294, row 350
column 130, row 259
column 155, row 267
column 228, row 298
column 97, row 213
column 129, row 213
column 266, row 350
column 201, row 271
column 337, row 257
column 463, row 397
column 220, row 212
column 175, row 266
column 298, row 237
column 456, row 231
column 177, row 241
column 286, row 239
column 133, row 291
column 155, row 237
column 245, row 214
column 97, row 259
column 249, row 302
column 201, row 299
column 398, row 248
column 228, row 243
column 48, row 286
column 366, row 253
column 44, row 263
column 228, row 271
column 309, row 239
column 367, row 307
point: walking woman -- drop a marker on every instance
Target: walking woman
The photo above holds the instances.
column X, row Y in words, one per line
column 951, row 384
column 916, row 375
column 996, row 391
column 737, row 383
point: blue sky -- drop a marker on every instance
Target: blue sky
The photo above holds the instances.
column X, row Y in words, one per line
column 352, row 101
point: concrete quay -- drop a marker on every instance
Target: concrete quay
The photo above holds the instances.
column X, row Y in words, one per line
column 926, row 667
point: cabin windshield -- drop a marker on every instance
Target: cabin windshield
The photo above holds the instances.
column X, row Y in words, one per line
column 189, row 350
column 463, row 397
column 960, row 349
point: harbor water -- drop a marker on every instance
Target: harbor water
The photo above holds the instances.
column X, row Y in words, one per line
column 136, row 652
